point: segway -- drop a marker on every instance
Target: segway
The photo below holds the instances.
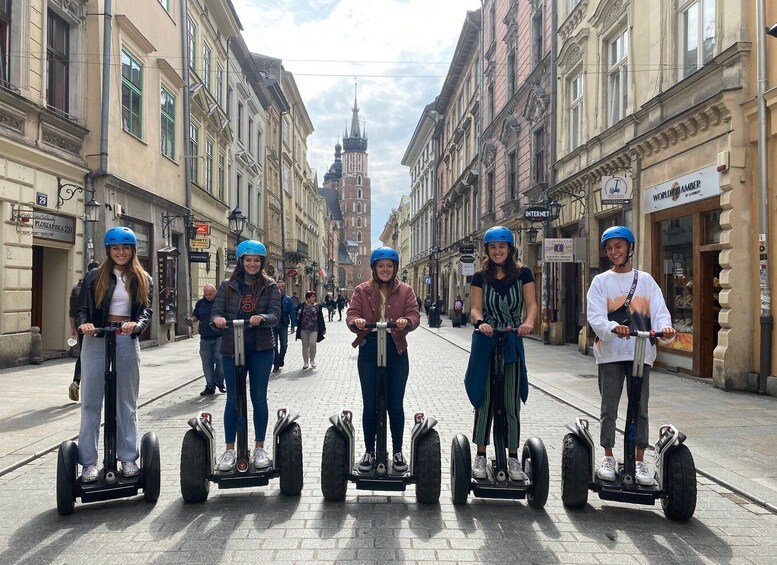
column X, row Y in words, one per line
column 110, row 484
column 198, row 452
column 498, row 484
column 675, row 469
column 337, row 458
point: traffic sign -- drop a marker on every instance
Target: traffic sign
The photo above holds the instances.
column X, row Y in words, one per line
column 200, row 243
column 203, row 228
column 199, row 257
column 292, row 273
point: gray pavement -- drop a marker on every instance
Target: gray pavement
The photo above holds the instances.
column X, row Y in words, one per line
column 369, row 527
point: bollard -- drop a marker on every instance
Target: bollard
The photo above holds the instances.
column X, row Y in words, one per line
column 36, row 346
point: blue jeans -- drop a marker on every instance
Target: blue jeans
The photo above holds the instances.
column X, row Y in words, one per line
column 398, row 368
column 212, row 366
column 281, row 344
column 258, row 364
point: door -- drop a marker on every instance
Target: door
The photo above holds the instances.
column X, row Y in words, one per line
column 36, row 316
column 709, row 277
column 570, row 300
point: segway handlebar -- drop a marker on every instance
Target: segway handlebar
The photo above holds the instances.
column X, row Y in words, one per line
column 109, row 330
column 376, row 326
column 502, row 330
column 639, row 333
column 230, row 323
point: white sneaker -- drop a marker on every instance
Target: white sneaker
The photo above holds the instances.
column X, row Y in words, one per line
column 90, row 474
column 479, row 467
column 312, row 364
column 261, row 459
column 227, row 460
column 305, row 366
column 515, row 471
column 129, row 469
column 642, row 475
column 608, row 469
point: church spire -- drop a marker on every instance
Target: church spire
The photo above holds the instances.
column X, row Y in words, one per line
column 355, row 120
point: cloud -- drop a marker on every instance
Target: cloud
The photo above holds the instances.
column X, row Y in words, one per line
column 399, row 51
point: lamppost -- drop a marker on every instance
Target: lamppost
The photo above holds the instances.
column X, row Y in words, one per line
column 91, row 209
column 310, row 270
column 237, row 222
column 552, row 211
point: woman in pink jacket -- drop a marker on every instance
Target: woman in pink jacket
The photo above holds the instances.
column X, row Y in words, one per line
column 383, row 299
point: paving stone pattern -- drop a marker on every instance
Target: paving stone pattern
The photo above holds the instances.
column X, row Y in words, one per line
column 261, row 525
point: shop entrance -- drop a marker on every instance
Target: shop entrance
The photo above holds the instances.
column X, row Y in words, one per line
column 571, row 303
column 710, row 308
column 50, row 296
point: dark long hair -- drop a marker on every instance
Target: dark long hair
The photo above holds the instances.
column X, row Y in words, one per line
column 262, row 280
column 512, row 267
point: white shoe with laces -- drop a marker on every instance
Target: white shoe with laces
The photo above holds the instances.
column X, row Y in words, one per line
column 479, row 467
column 515, row 471
column 90, row 474
column 608, row 469
column 642, row 475
column 261, row 459
column 129, row 469
column 227, row 460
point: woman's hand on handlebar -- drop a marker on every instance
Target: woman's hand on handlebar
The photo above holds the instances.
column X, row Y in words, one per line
column 87, row 329
column 220, row 322
column 525, row 329
column 255, row 320
column 622, row 331
column 402, row 323
column 669, row 332
column 360, row 323
column 127, row 328
column 486, row 329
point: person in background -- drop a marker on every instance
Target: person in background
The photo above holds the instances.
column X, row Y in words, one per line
column 118, row 294
column 250, row 295
column 340, row 305
column 383, row 299
column 210, row 342
column 281, row 331
column 310, row 328
column 73, row 389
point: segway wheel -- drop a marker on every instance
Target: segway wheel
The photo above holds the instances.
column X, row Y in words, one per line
column 575, row 472
column 290, row 460
column 428, row 468
column 152, row 466
column 461, row 469
column 334, row 466
column 194, row 467
column 67, row 460
column 680, row 485
column 535, row 465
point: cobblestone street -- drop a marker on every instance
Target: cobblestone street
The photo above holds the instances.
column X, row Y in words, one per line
column 256, row 525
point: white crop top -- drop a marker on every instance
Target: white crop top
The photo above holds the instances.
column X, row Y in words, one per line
column 120, row 302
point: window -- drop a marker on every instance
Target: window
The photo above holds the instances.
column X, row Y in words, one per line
column 358, row 207
column 492, row 22
column 575, row 110
column 538, row 38
column 512, row 175
column 221, row 176
column 228, row 109
column 359, row 222
column 5, row 39
column 286, row 179
column 491, row 102
column 697, row 34
column 238, row 187
column 240, row 122
column 359, row 193
column 219, row 83
column 539, row 155
column 359, row 180
column 206, row 56
column 194, row 144
column 131, row 94
column 617, row 75
column 58, row 62
column 490, row 192
column 249, row 211
column 571, row 5
column 191, row 34
column 250, row 136
column 168, row 123
column 209, row 166
column 358, row 236
column 511, row 72
column 165, row 4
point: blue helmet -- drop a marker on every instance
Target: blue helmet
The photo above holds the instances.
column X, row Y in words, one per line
column 120, row 235
column 618, row 232
column 384, row 253
column 250, row 247
column 498, row 233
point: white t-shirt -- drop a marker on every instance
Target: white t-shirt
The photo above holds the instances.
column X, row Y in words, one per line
column 120, row 301
column 648, row 311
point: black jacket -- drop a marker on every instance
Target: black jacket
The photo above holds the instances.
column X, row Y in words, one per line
column 202, row 311
column 319, row 319
column 89, row 312
column 268, row 305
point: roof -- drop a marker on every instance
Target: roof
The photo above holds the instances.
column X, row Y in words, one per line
column 332, row 203
column 342, row 255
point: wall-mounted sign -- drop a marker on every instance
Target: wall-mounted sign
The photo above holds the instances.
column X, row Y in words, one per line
column 536, row 213
column 200, row 243
column 202, row 228
column 616, row 189
column 467, row 259
column 466, row 269
column 467, row 248
column 53, row 227
column 199, row 257
column 695, row 186
column 41, row 199
column 559, row 250
column 292, row 273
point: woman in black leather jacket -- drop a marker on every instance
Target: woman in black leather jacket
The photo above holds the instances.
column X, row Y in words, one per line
column 118, row 293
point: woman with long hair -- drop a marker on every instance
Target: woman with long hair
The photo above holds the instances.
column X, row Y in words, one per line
column 117, row 293
column 310, row 328
column 502, row 295
column 250, row 295
column 383, row 299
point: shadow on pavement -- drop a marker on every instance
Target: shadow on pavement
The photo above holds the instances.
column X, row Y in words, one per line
column 38, row 418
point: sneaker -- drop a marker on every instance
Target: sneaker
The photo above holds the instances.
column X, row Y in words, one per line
column 643, row 476
column 367, row 462
column 73, row 391
column 90, row 474
column 479, row 468
column 276, row 369
column 281, row 363
column 398, row 463
column 515, row 471
column 129, row 469
column 305, row 366
column 261, row 459
column 227, row 460
column 608, row 469
column 208, row 391
column 221, row 388
column 312, row 364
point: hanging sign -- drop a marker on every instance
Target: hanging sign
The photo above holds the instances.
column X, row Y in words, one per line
column 616, row 189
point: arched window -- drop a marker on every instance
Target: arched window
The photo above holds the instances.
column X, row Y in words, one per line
column 358, row 193
column 359, row 180
column 359, row 236
column 359, row 222
column 358, row 207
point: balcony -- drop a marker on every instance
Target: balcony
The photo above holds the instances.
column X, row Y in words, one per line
column 296, row 250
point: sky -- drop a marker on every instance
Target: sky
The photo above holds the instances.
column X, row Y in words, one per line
column 399, row 52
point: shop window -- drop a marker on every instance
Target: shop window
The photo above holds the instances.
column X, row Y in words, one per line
column 712, row 227
column 677, row 253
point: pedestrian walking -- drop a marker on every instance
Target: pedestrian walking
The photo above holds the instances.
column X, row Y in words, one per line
column 383, row 299
column 340, row 305
column 502, row 294
column 252, row 296
column 427, row 304
column 620, row 300
column 458, row 307
column 330, row 304
column 118, row 293
column 210, row 342
column 74, row 389
column 310, row 328
column 281, row 331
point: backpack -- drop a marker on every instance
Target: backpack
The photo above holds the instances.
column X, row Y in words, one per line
column 458, row 306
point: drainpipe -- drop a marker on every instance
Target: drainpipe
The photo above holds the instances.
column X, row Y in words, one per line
column 281, row 192
column 765, row 362
column 102, row 170
column 187, row 163
column 549, row 296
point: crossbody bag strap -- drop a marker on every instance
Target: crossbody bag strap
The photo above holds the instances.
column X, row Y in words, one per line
column 631, row 290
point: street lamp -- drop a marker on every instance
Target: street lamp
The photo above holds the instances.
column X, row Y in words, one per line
column 237, row 221
column 531, row 233
column 92, row 208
